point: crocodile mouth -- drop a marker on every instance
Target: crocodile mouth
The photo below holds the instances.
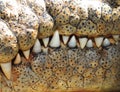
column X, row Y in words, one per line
column 59, row 45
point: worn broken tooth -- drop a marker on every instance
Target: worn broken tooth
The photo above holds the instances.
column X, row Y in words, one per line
column 65, row 39
column 83, row 42
column 72, row 43
column 106, row 42
column 17, row 59
column 37, row 47
column 98, row 41
column 116, row 37
column 6, row 68
column 112, row 41
column 55, row 41
column 26, row 54
column 45, row 41
column 89, row 43
column 44, row 50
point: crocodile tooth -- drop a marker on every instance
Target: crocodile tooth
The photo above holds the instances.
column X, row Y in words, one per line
column 116, row 37
column 83, row 42
column 55, row 41
column 45, row 41
column 6, row 68
column 89, row 43
column 106, row 42
column 17, row 59
column 45, row 50
column 98, row 41
column 65, row 39
column 26, row 54
column 37, row 47
column 72, row 43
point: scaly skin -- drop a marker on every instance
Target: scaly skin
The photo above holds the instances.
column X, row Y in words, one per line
column 61, row 69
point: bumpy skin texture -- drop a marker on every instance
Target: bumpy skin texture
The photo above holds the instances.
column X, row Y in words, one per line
column 8, row 43
column 60, row 69
column 66, row 69
column 26, row 29
column 84, row 18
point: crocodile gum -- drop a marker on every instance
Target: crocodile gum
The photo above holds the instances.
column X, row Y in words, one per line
column 59, row 45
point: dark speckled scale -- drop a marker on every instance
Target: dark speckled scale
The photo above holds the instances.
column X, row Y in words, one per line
column 8, row 43
column 46, row 25
column 89, row 72
column 67, row 29
column 63, row 16
column 95, row 11
column 106, row 12
column 60, row 68
column 86, row 27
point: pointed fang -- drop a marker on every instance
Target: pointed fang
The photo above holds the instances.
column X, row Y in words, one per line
column 6, row 68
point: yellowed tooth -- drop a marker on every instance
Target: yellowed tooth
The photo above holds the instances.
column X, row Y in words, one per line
column 106, row 42
column 55, row 41
column 72, row 42
column 45, row 41
column 37, row 47
column 112, row 41
column 98, row 41
column 89, row 43
column 65, row 39
column 26, row 54
column 45, row 50
column 6, row 68
column 116, row 37
column 83, row 42
column 17, row 59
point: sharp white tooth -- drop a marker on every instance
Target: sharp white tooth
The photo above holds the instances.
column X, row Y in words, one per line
column 98, row 41
column 83, row 42
column 106, row 42
column 116, row 37
column 72, row 42
column 26, row 54
column 6, row 68
column 17, row 59
column 55, row 41
column 45, row 41
column 89, row 43
column 65, row 39
column 37, row 47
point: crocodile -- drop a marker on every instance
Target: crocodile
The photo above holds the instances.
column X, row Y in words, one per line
column 59, row 45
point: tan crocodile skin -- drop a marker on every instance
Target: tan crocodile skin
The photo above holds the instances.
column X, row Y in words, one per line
column 62, row 68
